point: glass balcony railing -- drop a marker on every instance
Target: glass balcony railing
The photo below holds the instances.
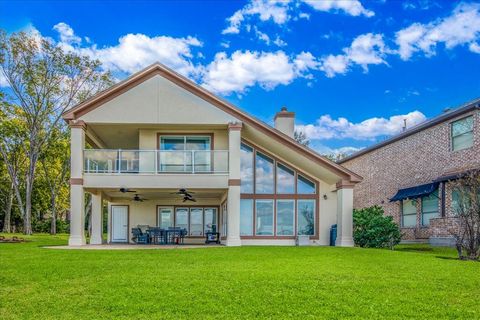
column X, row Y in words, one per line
column 155, row 161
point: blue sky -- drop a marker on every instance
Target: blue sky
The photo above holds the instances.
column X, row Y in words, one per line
column 351, row 70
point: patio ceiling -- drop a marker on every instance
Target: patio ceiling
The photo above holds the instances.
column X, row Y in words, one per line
column 164, row 194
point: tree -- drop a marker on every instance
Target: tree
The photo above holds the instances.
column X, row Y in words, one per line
column 466, row 207
column 371, row 229
column 43, row 81
column 301, row 138
column 336, row 156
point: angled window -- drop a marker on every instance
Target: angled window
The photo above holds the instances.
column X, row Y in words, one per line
column 285, row 179
column 462, row 133
column 305, row 186
column 263, row 174
column 409, row 213
column 246, row 169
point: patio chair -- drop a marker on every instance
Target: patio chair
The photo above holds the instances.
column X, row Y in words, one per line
column 139, row 237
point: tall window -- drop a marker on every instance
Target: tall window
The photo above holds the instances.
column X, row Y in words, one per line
column 264, row 214
column 306, row 217
column 165, row 217
column 196, row 221
column 210, row 220
column 263, row 174
column 246, row 169
column 462, row 133
column 409, row 213
column 246, row 217
column 429, row 207
column 285, row 179
column 285, row 217
column 181, row 218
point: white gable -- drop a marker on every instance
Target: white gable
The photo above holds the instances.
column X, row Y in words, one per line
column 158, row 101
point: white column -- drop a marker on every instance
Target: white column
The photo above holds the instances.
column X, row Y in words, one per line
column 77, row 196
column 344, row 214
column 233, row 201
column 97, row 219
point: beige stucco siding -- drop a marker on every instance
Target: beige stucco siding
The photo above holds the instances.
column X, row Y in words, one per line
column 157, row 100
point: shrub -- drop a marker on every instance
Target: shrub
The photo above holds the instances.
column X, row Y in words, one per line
column 371, row 229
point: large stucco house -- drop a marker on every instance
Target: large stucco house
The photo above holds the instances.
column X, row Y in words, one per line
column 157, row 132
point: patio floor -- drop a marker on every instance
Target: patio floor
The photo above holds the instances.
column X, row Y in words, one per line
column 133, row 247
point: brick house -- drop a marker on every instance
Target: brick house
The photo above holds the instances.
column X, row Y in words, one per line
column 408, row 174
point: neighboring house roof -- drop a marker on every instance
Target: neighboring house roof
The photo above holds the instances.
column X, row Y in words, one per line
column 159, row 69
column 472, row 105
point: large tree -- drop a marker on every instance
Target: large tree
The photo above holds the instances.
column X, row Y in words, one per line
column 43, row 81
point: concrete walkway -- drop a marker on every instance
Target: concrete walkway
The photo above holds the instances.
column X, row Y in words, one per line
column 133, row 247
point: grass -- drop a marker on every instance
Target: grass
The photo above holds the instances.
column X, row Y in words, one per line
column 414, row 281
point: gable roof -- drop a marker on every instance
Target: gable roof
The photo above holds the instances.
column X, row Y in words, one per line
column 160, row 69
column 465, row 108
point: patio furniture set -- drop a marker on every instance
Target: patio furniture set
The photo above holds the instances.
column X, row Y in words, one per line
column 157, row 235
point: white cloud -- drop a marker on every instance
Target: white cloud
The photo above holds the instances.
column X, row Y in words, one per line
column 136, row 51
column 275, row 10
column 244, row 69
column 3, row 81
column 365, row 50
column 370, row 129
column 462, row 27
column 66, row 33
column 350, row 7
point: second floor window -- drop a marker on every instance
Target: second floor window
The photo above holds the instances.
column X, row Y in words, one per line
column 185, row 153
column 462, row 133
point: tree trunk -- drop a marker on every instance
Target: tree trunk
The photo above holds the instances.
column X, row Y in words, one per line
column 8, row 212
column 53, row 224
column 27, row 219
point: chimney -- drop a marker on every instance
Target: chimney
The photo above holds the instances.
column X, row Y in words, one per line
column 285, row 121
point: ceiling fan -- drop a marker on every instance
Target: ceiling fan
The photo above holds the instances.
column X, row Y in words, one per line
column 187, row 195
column 138, row 199
column 125, row 190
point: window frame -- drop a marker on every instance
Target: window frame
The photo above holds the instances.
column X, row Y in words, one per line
column 422, row 212
column 452, row 137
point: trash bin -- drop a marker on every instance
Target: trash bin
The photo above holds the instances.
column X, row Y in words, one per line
column 333, row 235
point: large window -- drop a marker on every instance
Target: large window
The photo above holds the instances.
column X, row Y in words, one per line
column 285, row 179
column 176, row 155
column 285, row 217
column 210, row 220
column 264, row 217
column 263, row 174
column 165, row 218
column 306, row 217
column 246, row 169
column 429, row 207
column 246, row 217
column 409, row 213
column 462, row 133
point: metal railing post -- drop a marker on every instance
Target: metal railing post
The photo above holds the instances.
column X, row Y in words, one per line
column 119, row 160
column 193, row 161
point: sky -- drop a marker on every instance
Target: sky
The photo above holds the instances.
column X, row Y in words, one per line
column 351, row 70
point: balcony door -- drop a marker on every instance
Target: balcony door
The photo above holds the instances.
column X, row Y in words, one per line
column 185, row 153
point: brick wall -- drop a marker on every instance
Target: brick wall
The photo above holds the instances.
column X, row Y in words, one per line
column 416, row 159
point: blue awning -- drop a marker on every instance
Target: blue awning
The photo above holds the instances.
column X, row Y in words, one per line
column 415, row 192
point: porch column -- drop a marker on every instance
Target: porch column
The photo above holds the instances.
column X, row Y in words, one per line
column 344, row 214
column 233, row 201
column 77, row 196
column 97, row 219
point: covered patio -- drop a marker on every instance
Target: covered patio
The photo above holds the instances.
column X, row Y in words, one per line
column 158, row 217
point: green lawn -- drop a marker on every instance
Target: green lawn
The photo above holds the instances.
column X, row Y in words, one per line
column 247, row 282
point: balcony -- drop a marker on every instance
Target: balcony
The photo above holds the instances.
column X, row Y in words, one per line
column 106, row 161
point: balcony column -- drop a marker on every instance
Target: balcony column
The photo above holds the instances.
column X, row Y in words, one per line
column 344, row 214
column 97, row 219
column 77, row 196
column 233, row 201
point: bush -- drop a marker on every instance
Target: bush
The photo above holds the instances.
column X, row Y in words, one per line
column 371, row 229
column 43, row 226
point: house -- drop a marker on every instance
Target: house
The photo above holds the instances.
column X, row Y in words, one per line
column 408, row 174
column 136, row 144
